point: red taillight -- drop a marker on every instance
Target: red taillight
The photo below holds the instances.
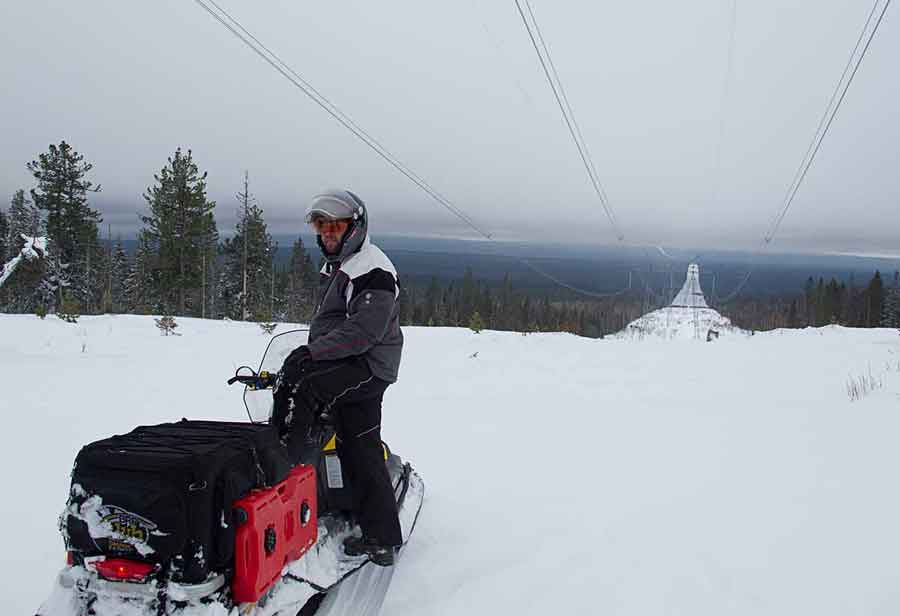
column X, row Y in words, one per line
column 123, row 570
column 70, row 560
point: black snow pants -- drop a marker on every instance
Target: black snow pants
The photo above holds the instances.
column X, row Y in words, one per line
column 348, row 391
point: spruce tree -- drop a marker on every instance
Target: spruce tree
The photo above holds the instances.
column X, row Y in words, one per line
column 432, row 302
column 71, row 224
column 23, row 219
column 4, row 238
column 141, row 288
column 120, row 268
column 874, row 301
column 810, row 296
column 22, row 292
column 246, row 278
column 176, row 237
column 468, row 297
column 507, row 306
column 302, row 284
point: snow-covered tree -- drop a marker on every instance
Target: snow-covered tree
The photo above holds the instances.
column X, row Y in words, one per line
column 176, row 235
column 24, row 219
column 21, row 276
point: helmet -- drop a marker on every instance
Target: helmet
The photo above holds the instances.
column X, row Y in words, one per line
column 341, row 204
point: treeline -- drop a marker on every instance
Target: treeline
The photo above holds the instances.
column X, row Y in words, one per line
column 474, row 304
column 180, row 266
column 876, row 304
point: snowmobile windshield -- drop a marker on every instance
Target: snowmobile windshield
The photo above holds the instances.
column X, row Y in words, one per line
column 259, row 401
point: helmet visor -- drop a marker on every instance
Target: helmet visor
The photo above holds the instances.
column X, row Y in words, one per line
column 329, row 207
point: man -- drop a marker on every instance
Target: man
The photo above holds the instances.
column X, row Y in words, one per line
column 352, row 355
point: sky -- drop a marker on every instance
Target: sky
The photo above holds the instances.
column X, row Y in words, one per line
column 455, row 91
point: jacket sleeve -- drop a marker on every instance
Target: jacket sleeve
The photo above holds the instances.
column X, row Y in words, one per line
column 371, row 301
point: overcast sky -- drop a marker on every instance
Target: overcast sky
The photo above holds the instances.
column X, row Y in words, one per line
column 455, row 91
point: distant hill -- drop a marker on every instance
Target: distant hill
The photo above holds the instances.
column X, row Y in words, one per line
column 606, row 269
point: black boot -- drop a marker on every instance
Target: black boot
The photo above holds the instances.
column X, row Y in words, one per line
column 381, row 555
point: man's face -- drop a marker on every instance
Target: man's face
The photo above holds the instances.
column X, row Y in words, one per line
column 331, row 231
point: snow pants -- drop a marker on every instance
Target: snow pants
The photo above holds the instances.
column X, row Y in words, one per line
column 353, row 396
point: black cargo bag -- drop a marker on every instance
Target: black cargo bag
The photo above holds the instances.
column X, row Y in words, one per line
column 163, row 494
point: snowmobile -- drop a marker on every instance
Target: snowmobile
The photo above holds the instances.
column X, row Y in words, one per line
column 144, row 535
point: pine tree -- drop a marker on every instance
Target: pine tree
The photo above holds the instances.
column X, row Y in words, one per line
column 506, row 307
column 24, row 219
column 810, row 296
column 4, row 238
column 140, row 290
column 176, row 236
column 246, row 277
column 71, row 223
column 301, row 284
column 209, row 268
column 874, row 301
column 476, row 324
column 890, row 313
column 120, row 268
column 22, row 292
column 468, row 296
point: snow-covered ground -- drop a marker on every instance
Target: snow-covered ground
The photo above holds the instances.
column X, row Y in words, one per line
column 564, row 475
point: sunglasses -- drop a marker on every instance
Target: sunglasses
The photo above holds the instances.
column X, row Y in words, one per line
column 322, row 224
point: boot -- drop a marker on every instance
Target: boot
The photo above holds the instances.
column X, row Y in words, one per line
column 381, row 555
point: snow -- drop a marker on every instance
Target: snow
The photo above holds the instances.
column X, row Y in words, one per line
column 564, row 475
column 33, row 248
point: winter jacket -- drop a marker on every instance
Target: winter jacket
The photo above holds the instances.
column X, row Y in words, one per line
column 358, row 314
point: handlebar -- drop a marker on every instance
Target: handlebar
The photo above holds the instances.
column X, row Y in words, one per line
column 262, row 380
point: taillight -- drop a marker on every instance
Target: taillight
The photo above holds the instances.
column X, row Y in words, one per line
column 123, row 570
column 70, row 560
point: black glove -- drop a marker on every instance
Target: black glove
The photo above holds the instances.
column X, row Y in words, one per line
column 295, row 364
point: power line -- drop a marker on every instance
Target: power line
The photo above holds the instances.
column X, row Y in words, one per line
column 578, row 290
column 818, row 138
column 238, row 30
column 569, row 117
column 826, row 120
column 834, row 94
column 271, row 58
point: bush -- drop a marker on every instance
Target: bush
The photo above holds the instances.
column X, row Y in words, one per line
column 476, row 324
column 167, row 325
column 70, row 309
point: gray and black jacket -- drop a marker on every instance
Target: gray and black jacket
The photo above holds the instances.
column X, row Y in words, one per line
column 358, row 314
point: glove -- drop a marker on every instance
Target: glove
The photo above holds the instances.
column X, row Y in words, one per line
column 295, row 364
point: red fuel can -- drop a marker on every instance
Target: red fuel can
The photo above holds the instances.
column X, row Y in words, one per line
column 275, row 526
